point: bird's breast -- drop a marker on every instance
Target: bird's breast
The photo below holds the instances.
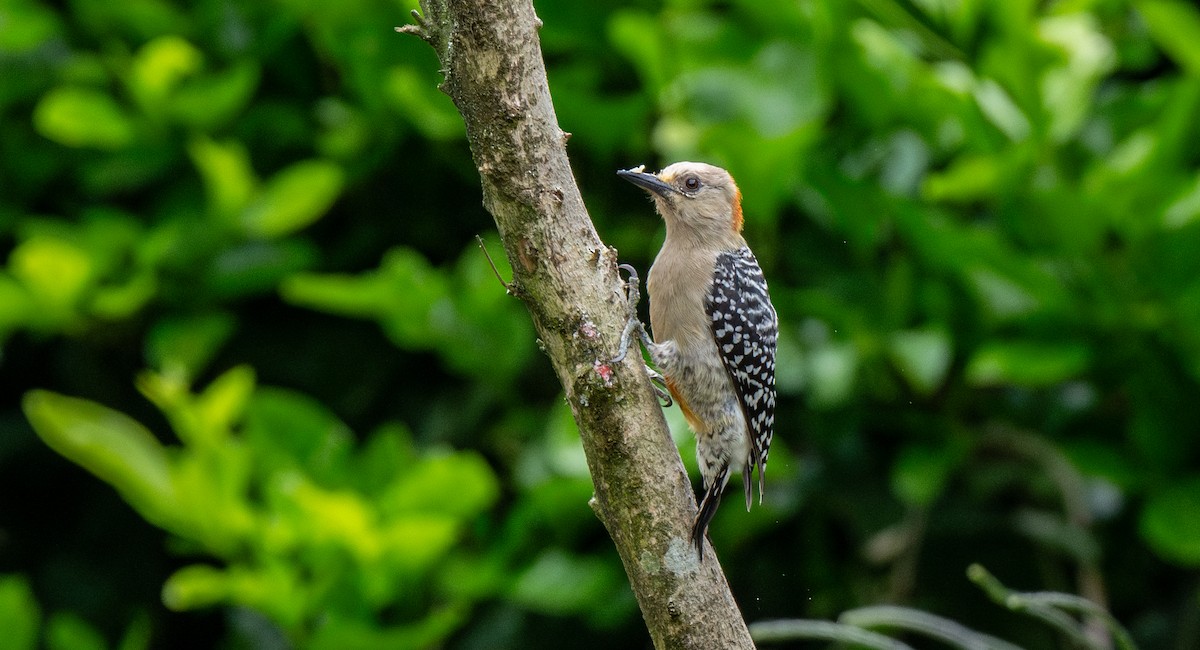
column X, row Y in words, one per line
column 678, row 286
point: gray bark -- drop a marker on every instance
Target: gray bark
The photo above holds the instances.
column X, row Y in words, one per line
column 492, row 62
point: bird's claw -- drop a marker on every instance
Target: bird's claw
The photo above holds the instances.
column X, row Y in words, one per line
column 628, row 268
column 633, row 294
column 626, row 340
column 659, row 384
column 633, row 288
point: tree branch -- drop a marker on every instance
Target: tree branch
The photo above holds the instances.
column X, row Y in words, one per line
column 492, row 62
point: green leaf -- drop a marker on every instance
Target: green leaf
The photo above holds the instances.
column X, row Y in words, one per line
column 405, row 294
column 1104, row 461
column 229, row 180
column 470, row 577
column 968, row 178
column 1159, row 409
column 920, row 473
column 415, row 543
column 460, row 484
column 109, row 444
column 290, row 429
column 638, row 36
column 82, row 117
column 364, row 296
column 20, row 616
column 158, row 66
column 193, row 587
column 209, row 101
column 1067, row 90
column 54, row 271
column 219, row 408
column 430, row 111
column 26, row 26
column 272, row 589
column 341, row 633
column 122, row 301
column 17, row 306
column 923, row 357
column 137, row 635
column 1170, row 523
column 137, row 20
column 66, row 631
column 559, row 583
column 294, row 198
column 1003, row 296
column 1175, row 25
column 1184, row 209
column 387, row 452
column 1026, row 363
column 999, row 107
column 411, row 313
column 481, row 331
column 345, row 130
column 257, row 267
column 185, row 345
column 831, row 370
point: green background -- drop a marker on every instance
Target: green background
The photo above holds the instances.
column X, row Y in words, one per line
column 259, row 388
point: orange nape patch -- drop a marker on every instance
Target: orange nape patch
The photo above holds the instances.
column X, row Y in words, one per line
column 737, row 209
column 688, row 415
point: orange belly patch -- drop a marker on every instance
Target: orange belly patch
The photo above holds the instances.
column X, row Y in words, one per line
column 688, row 415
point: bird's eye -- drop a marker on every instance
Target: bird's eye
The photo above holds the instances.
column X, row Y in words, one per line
column 692, row 183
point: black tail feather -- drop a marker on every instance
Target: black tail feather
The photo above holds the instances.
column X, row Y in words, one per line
column 708, row 508
column 748, row 485
column 752, row 463
column 762, row 474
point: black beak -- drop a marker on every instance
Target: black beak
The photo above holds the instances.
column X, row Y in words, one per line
column 648, row 182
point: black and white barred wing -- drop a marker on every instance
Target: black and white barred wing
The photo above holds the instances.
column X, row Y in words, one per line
column 745, row 328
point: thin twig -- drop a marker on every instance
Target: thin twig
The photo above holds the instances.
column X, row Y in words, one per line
column 509, row 287
column 793, row 629
column 912, row 620
column 1044, row 609
column 1071, row 485
column 1081, row 605
column 420, row 28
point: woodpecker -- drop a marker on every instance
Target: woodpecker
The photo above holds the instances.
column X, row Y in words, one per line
column 714, row 327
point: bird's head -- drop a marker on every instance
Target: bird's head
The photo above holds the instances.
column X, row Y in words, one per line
column 692, row 197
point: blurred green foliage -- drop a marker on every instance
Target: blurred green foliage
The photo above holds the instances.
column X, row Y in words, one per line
column 240, row 287
column 332, row 538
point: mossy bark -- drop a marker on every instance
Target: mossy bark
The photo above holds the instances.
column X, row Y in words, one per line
column 492, row 62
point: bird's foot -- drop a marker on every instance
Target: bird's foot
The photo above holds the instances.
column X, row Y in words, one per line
column 659, row 384
column 633, row 326
column 633, row 294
